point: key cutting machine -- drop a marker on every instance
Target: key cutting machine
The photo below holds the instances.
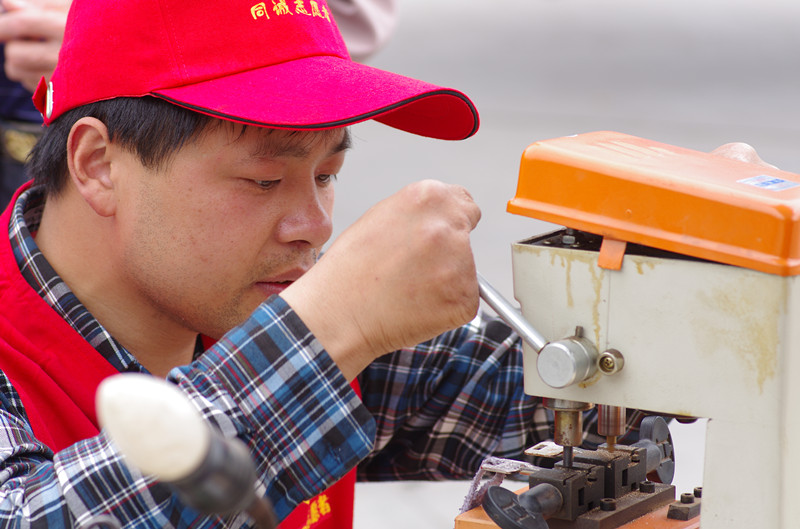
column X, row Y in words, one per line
column 673, row 287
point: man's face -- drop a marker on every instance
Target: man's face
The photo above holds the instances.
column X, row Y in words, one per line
column 230, row 220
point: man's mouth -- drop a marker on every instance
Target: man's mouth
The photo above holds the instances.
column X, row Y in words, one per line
column 277, row 283
column 271, row 288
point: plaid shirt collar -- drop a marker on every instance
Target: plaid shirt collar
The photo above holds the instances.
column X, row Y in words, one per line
column 48, row 284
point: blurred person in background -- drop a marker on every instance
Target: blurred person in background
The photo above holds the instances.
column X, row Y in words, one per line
column 31, row 32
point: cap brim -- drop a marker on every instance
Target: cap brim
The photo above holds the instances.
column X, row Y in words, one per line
column 327, row 92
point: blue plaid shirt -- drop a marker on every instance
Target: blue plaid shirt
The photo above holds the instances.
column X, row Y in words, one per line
column 431, row 412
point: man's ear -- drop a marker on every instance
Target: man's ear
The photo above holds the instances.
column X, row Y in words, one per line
column 88, row 159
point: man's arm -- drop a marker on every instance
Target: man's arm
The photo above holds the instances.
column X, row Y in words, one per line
column 444, row 406
column 268, row 382
column 305, row 427
column 32, row 31
column 402, row 274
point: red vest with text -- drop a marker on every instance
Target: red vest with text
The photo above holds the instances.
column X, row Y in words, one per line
column 56, row 373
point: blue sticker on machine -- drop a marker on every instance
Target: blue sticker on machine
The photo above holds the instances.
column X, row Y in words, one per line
column 770, row 183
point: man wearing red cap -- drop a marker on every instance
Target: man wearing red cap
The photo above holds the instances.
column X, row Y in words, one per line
column 183, row 190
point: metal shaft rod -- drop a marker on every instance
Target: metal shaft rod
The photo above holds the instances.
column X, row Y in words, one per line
column 510, row 315
column 568, row 457
column 610, row 423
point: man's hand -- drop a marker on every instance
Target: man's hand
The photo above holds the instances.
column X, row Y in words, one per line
column 400, row 275
column 32, row 31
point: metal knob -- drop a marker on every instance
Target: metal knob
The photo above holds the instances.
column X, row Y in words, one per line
column 567, row 362
column 561, row 363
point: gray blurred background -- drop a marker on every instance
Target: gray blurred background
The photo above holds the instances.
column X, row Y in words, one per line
column 693, row 73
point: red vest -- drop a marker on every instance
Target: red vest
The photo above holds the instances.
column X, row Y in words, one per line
column 56, row 373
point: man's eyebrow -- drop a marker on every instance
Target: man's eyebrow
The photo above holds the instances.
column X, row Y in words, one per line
column 300, row 145
column 345, row 144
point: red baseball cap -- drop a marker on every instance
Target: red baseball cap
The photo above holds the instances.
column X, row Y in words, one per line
column 276, row 63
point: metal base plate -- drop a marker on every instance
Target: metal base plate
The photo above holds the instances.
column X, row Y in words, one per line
column 628, row 508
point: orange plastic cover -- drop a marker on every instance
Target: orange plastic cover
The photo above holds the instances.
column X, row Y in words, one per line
column 636, row 190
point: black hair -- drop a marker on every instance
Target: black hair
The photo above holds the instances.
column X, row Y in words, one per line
column 150, row 128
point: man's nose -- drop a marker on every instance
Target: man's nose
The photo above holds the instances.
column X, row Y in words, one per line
column 308, row 218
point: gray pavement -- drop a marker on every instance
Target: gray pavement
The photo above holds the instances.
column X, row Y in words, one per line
column 694, row 73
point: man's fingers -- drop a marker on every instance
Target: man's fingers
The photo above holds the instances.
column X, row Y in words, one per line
column 32, row 39
column 32, row 24
column 26, row 62
column 471, row 209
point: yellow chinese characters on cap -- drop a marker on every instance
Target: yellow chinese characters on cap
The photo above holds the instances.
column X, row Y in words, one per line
column 282, row 8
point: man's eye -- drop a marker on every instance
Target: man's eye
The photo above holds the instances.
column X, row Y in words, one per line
column 326, row 178
column 266, row 184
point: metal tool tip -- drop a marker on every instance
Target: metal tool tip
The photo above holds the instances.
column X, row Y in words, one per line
column 568, row 456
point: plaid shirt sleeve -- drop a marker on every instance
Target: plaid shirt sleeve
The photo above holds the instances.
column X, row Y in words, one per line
column 444, row 406
column 267, row 382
